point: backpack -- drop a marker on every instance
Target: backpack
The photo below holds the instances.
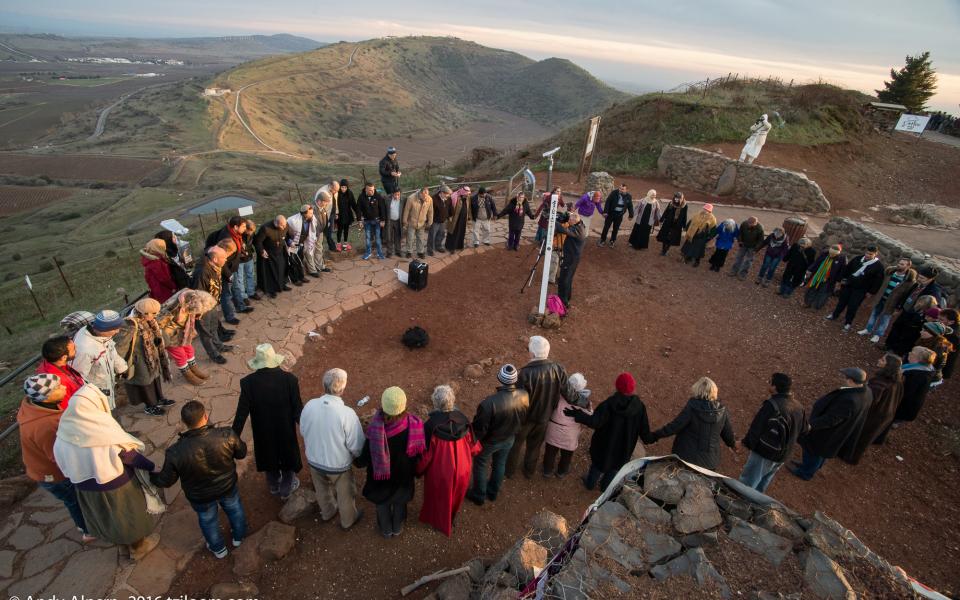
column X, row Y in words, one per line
column 555, row 305
column 776, row 432
column 415, row 337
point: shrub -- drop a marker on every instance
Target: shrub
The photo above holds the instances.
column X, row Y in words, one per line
column 16, row 256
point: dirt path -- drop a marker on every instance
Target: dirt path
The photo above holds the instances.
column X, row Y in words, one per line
column 667, row 328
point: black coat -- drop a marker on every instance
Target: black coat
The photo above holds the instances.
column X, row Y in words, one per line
column 515, row 222
column 347, row 211
column 887, row 395
column 699, row 428
column 618, row 422
column 500, row 415
column 203, row 460
column 545, row 381
column 795, row 417
column 797, row 261
column 610, row 208
column 372, row 208
column 672, row 223
column 871, row 279
column 271, row 398
column 904, row 332
column 271, row 271
column 836, row 270
column 836, row 421
column 449, row 426
column 916, row 384
column 403, row 472
column 387, row 166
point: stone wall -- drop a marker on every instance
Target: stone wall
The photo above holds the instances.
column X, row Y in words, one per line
column 855, row 237
column 714, row 173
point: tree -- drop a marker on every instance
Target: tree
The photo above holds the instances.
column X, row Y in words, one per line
column 912, row 85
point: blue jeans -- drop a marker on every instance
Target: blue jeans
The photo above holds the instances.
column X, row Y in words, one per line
column 371, row 228
column 497, row 452
column 877, row 323
column 66, row 493
column 210, row 523
column 769, row 266
column 810, row 465
column 236, row 291
column 759, row 472
column 248, row 281
column 226, row 304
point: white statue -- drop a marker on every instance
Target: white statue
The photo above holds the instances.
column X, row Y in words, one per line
column 758, row 136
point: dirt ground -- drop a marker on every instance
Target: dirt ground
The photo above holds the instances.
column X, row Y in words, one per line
column 667, row 324
column 18, row 198
column 77, row 166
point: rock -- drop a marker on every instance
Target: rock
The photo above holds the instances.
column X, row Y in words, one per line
column 824, row 578
column 487, row 362
column 526, row 559
column 734, row 506
column 25, row 537
column 612, row 525
column 779, row 523
column 704, row 538
column 642, row 507
column 90, row 571
column 457, row 587
column 660, row 482
column 600, row 181
column 246, row 558
column 47, row 517
column 179, row 532
column 693, row 563
column 551, row 320
column 47, row 555
column 303, row 502
column 696, row 511
column 6, row 563
column 29, row 586
column 769, row 545
column 549, row 530
column 328, row 329
column 13, row 521
column 727, row 182
column 582, row 579
column 473, row 371
column 277, row 540
column 233, row 590
column 825, row 538
column 15, row 489
column 154, row 572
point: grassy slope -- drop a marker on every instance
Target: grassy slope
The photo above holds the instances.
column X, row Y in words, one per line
column 633, row 132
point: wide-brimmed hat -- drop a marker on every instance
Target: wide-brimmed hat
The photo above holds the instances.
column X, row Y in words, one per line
column 266, row 358
column 107, row 320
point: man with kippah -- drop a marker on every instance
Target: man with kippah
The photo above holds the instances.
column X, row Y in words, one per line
column 495, row 425
column 39, row 418
column 97, row 359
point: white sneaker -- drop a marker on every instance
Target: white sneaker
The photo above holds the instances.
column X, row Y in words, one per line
column 846, row 328
column 829, row 317
column 875, row 339
column 863, row 332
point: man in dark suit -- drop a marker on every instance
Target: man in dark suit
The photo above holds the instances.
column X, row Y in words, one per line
column 861, row 277
column 618, row 202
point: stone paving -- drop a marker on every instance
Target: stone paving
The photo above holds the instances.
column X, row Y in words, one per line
column 40, row 549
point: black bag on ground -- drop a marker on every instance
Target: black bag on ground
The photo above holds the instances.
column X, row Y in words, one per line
column 415, row 337
column 417, row 275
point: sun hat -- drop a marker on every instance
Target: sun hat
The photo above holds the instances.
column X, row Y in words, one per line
column 38, row 387
column 854, row 374
column 266, row 358
column 107, row 320
column 625, row 384
column 508, row 374
column 708, row 207
column 393, row 401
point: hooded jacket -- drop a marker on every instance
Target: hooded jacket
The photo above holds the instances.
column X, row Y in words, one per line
column 38, row 431
column 159, row 277
column 618, row 423
column 699, row 428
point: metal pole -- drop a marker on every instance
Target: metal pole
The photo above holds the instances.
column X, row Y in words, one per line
column 548, row 251
column 56, row 263
column 34, row 296
column 549, row 175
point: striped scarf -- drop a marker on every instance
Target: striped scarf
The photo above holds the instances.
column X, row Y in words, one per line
column 823, row 271
column 380, row 431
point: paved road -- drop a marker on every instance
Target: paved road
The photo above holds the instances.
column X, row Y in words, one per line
column 102, row 119
column 942, row 138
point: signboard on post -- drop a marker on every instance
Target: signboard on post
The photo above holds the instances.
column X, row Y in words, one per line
column 245, row 211
column 548, row 254
column 589, row 146
column 912, row 123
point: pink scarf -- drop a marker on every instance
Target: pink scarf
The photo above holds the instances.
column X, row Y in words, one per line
column 380, row 431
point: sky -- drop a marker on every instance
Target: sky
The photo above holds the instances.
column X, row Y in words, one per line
column 638, row 45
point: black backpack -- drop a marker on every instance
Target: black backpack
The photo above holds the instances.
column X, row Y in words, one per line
column 775, row 435
column 415, row 337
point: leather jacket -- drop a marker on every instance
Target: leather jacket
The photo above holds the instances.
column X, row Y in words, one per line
column 501, row 414
column 203, row 460
column 545, row 381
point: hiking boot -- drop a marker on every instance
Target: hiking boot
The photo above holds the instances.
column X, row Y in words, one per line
column 142, row 547
column 192, row 366
column 220, row 360
column 191, row 377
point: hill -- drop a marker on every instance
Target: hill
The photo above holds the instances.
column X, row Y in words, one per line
column 407, row 87
column 633, row 132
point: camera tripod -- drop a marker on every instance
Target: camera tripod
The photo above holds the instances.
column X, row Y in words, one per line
column 558, row 252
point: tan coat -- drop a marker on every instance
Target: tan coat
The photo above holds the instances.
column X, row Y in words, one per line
column 417, row 212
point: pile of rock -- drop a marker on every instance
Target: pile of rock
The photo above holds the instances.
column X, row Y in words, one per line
column 931, row 215
column 670, row 532
column 600, row 181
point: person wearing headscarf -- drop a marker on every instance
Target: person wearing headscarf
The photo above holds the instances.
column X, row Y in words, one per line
column 673, row 223
column 178, row 270
column 39, row 418
column 394, row 444
column 563, row 432
column 700, row 230
column 347, row 214
column 886, row 385
column 458, row 213
column 516, row 211
column 156, row 270
column 823, row 275
column 648, row 215
column 726, row 236
column 179, row 327
column 758, row 137
column 617, row 423
column 777, row 246
column 799, row 258
column 448, row 461
column 303, row 234
column 934, row 336
column 106, row 466
column 140, row 343
column 700, row 427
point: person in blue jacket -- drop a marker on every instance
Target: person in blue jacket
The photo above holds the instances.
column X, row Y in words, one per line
column 726, row 236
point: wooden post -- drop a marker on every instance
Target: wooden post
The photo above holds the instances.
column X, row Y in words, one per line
column 34, row 296
column 130, row 243
column 200, row 218
column 216, row 215
column 56, row 263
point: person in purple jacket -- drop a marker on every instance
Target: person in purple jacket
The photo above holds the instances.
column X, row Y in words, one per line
column 777, row 246
column 586, row 206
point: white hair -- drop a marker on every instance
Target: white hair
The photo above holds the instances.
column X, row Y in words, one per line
column 443, row 398
column 334, row 381
column 279, row 219
column 539, row 347
column 578, row 382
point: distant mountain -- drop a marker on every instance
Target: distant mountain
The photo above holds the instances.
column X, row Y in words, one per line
column 226, row 50
column 408, row 86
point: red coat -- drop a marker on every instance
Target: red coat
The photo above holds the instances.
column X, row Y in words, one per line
column 446, row 468
column 69, row 377
column 159, row 278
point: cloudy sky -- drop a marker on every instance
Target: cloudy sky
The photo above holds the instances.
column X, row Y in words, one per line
column 637, row 44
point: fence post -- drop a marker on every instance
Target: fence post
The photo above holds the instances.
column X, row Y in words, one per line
column 202, row 232
column 56, row 263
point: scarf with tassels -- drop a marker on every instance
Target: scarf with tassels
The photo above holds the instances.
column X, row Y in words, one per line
column 822, row 273
column 380, row 431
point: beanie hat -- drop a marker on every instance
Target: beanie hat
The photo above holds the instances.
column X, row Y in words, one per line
column 708, row 207
column 932, row 313
column 391, row 150
column 482, row 190
column 625, row 384
column 393, row 401
column 107, row 320
column 507, row 374
column 147, row 306
column 344, row 181
column 38, row 387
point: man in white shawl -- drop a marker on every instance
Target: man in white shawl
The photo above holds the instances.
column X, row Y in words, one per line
column 758, row 137
column 106, row 466
column 303, row 232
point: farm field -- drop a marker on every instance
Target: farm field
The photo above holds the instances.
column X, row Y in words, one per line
column 83, row 167
column 18, row 198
